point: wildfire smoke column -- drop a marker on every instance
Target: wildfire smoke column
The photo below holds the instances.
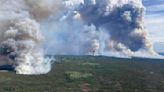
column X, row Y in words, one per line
column 20, row 34
column 124, row 22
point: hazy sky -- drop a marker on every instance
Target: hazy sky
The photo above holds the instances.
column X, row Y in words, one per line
column 155, row 22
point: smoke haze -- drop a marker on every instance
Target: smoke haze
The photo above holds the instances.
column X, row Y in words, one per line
column 21, row 38
column 102, row 27
column 69, row 27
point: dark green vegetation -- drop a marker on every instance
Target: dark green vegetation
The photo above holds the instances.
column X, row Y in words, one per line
column 91, row 74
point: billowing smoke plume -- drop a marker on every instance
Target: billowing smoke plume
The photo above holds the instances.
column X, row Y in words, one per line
column 21, row 45
column 122, row 19
column 21, row 38
column 101, row 27
column 76, row 27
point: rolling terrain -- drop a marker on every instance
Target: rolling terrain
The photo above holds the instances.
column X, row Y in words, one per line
column 91, row 74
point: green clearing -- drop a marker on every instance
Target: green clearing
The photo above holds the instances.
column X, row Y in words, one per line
column 91, row 74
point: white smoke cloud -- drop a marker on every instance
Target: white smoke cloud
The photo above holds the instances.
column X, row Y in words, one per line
column 21, row 38
column 21, row 45
column 107, row 26
column 70, row 27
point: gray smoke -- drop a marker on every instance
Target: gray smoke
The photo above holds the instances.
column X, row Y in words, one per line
column 21, row 39
column 123, row 21
column 69, row 27
column 101, row 27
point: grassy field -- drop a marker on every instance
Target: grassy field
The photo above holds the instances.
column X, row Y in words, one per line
column 91, row 74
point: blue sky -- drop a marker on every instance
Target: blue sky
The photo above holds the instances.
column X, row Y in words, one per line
column 154, row 21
